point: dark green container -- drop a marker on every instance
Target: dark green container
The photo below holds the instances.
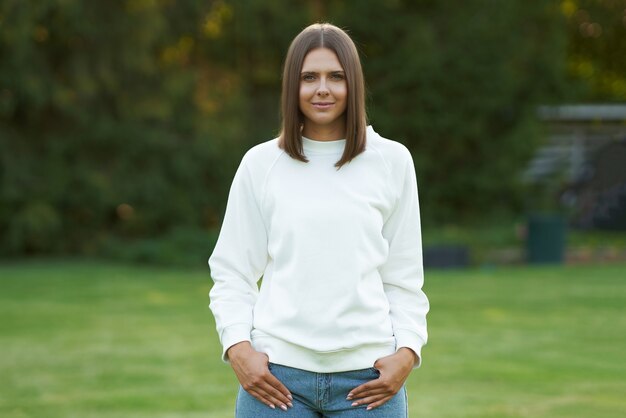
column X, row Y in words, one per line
column 546, row 239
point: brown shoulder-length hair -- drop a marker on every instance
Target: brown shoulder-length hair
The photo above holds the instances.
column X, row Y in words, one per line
column 323, row 35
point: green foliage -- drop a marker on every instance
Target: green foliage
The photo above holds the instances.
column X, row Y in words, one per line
column 180, row 247
column 596, row 49
column 125, row 121
column 113, row 123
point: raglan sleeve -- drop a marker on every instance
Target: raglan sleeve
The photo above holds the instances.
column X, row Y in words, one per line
column 403, row 272
column 238, row 262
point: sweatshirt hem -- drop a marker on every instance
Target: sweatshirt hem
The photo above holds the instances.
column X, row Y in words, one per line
column 293, row 355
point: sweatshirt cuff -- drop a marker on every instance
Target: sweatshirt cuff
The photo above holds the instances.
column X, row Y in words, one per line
column 232, row 335
column 409, row 339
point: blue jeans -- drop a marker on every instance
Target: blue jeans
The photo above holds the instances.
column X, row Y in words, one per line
column 321, row 395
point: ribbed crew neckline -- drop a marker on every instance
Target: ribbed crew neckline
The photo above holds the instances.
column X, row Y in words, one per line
column 323, row 147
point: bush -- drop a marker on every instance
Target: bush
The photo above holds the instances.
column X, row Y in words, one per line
column 180, row 246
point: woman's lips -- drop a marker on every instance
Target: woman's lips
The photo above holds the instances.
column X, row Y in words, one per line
column 322, row 105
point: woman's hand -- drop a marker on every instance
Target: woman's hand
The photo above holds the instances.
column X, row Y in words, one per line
column 394, row 370
column 251, row 368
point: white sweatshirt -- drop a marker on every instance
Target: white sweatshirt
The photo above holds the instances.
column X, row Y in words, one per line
column 339, row 251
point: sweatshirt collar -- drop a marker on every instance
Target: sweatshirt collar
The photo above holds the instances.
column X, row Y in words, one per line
column 323, row 147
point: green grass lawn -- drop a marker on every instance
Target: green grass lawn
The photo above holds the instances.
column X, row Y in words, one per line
column 94, row 339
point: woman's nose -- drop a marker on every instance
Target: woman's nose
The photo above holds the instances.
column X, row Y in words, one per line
column 322, row 90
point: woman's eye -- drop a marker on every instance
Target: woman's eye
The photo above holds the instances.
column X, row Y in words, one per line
column 308, row 77
column 337, row 76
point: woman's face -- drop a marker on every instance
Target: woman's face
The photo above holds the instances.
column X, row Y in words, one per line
column 323, row 92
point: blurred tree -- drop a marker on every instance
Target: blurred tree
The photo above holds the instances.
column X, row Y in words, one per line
column 597, row 48
column 112, row 105
column 126, row 120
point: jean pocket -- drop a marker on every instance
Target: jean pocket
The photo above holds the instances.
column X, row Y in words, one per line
column 375, row 371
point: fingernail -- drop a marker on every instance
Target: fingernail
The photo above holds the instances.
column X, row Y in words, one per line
column 272, row 406
column 349, row 396
column 368, row 408
column 290, row 404
column 283, row 407
column 354, row 404
column 290, row 397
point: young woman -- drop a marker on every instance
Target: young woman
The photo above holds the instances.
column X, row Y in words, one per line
column 328, row 214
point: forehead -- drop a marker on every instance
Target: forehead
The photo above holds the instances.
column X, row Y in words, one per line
column 321, row 59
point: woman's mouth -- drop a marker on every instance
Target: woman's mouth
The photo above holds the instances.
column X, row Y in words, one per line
column 322, row 105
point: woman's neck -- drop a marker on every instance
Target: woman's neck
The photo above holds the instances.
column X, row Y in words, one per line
column 324, row 133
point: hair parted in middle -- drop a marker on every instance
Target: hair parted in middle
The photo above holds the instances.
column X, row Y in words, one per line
column 323, row 35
